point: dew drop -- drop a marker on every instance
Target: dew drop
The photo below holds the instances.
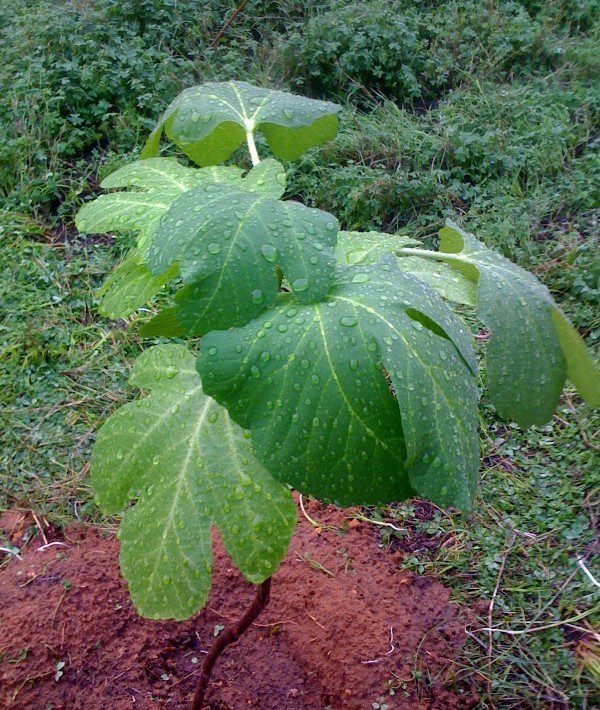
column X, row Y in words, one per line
column 300, row 285
column 269, row 252
column 360, row 278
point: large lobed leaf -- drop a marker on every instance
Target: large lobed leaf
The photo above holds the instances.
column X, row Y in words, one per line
column 312, row 383
column 177, row 452
column 532, row 347
column 209, row 122
column 232, row 247
column 155, row 185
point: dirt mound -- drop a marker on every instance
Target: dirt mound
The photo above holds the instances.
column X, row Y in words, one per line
column 343, row 627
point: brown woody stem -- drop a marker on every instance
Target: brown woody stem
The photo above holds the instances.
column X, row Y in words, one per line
column 229, row 636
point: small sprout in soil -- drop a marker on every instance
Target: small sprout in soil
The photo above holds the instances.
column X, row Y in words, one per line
column 315, row 564
column 59, row 670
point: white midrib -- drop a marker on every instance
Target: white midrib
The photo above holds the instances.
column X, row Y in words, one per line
column 180, row 484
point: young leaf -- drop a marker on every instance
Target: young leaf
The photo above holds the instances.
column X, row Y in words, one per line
column 209, row 122
column 310, row 382
column 130, row 285
column 368, row 247
column 527, row 357
column 157, row 183
column 122, row 212
column 189, row 466
column 232, row 244
column 167, row 177
column 450, row 284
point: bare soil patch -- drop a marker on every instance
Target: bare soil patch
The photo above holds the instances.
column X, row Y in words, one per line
column 343, row 624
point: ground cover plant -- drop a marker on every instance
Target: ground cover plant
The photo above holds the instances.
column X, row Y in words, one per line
column 505, row 147
column 352, row 381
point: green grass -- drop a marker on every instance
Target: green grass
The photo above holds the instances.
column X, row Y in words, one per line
column 539, row 491
column 62, row 370
column 494, row 121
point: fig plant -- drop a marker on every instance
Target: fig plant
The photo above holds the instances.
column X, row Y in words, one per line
column 331, row 362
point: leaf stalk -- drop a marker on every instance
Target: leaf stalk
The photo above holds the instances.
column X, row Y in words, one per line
column 254, row 157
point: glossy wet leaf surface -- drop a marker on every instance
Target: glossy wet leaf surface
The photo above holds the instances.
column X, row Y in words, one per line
column 154, row 185
column 130, row 285
column 177, row 452
column 450, row 284
column 368, row 247
column 123, row 212
column 354, row 247
column 231, row 246
column 313, row 381
column 167, row 177
column 209, row 122
column 527, row 357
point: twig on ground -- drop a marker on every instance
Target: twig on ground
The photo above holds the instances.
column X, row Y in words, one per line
column 40, row 528
column 382, row 523
column 544, row 627
column 315, row 564
column 587, row 572
column 313, row 522
column 316, row 622
column 490, row 646
column 51, row 544
column 382, row 658
column 584, row 437
column 392, row 647
column 227, row 22
column 62, row 596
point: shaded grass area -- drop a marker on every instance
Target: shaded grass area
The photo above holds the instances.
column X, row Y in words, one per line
column 500, row 134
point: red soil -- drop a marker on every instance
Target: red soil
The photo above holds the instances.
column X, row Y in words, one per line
column 324, row 640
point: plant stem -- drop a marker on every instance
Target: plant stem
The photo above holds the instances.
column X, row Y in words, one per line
column 252, row 146
column 229, row 636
